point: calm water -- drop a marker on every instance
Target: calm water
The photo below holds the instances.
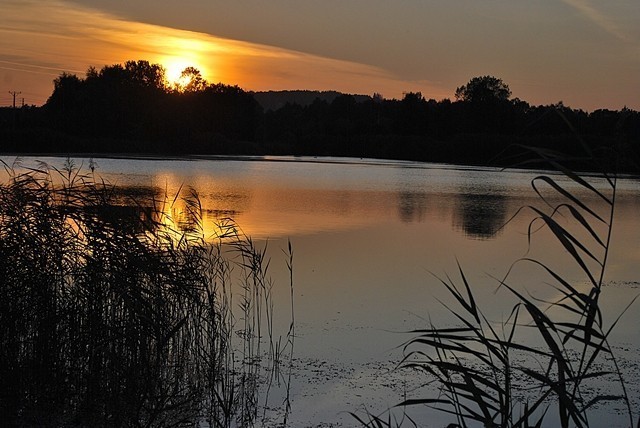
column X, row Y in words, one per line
column 368, row 237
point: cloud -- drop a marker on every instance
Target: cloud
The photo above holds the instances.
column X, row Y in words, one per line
column 50, row 37
column 598, row 18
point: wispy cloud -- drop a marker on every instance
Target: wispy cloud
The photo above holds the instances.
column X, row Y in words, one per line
column 598, row 18
column 68, row 37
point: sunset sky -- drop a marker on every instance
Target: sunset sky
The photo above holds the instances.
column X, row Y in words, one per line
column 585, row 53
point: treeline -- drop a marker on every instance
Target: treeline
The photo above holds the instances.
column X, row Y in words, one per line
column 483, row 125
column 274, row 100
column 131, row 108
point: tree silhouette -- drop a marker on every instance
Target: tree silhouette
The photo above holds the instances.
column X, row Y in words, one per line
column 191, row 80
column 483, row 89
column 66, row 90
column 131, row 107
column 143, row 73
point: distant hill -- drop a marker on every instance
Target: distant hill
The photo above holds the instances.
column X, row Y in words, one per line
column 273, row 100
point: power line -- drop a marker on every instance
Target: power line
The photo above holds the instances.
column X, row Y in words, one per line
column 14, row 93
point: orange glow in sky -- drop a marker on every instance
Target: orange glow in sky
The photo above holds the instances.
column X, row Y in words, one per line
column 577, row 51
column 73, row 46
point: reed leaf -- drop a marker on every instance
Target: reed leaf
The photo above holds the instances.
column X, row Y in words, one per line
column 554, row 159
column 568, row 241
column 567, row 195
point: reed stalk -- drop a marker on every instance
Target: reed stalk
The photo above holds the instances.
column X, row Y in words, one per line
column 488, row 374
column 116, row 314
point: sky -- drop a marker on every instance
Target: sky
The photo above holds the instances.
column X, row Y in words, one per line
column 585, row 53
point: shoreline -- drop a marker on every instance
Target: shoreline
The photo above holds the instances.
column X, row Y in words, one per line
column 338, row 160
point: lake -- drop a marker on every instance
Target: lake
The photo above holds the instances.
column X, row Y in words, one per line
column 370, row 238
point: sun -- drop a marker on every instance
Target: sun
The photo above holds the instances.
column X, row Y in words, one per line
column 174, row 68
column 180, row 53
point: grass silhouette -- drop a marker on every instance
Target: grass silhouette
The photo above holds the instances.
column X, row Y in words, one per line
column 487, row 373
column 114, row 314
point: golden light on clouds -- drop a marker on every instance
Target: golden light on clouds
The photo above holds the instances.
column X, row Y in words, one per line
column 598, row 18
column 50, row 37
column 582, row 52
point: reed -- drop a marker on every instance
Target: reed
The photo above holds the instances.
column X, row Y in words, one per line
column 123, row 314
column 488, row 375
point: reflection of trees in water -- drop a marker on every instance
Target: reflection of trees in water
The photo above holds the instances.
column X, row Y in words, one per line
column 138, row 209
column 412, row 206
column 480, row 215
column 130, row 209
column 132, row 219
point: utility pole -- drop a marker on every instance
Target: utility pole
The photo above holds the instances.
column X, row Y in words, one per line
column 14, row 93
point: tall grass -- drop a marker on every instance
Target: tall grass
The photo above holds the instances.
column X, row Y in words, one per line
column 112, row 316
column 491, row 373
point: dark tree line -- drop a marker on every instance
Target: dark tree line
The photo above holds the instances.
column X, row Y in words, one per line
column 483, row 125
column 131, row 108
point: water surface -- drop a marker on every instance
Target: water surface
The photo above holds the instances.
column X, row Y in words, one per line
column 369, row 239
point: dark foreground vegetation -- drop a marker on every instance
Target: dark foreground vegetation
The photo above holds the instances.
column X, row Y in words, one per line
column 109, row 316
column 131, row 108
column 547, row 362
